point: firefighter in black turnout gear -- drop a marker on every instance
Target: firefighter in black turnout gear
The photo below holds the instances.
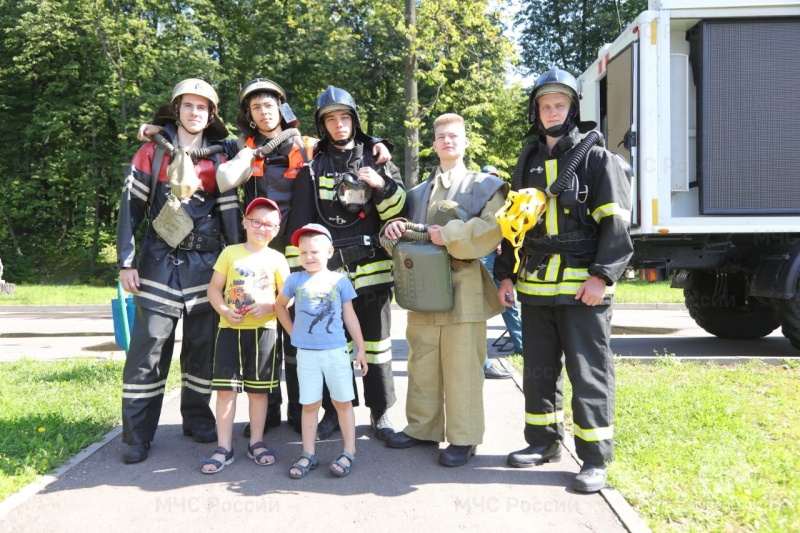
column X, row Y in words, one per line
column 268, row 124
column 352, row 195
column 571, row 260
column 189, row 222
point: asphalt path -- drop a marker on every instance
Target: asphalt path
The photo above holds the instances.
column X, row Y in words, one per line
column 639, row 332
column 389, row 490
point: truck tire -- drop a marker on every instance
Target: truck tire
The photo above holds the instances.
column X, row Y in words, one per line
column 790, row 318
column 754, row 321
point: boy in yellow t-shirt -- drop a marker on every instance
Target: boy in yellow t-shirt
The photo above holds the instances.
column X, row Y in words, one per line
column 251, row 275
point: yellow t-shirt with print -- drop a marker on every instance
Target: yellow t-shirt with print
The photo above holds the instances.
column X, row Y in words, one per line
column 251, row 278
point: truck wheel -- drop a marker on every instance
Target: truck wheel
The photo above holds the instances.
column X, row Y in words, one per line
column 753, row 321
column 790, row 318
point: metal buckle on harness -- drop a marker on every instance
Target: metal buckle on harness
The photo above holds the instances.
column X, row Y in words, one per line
column 366, row 240
column 188, row 242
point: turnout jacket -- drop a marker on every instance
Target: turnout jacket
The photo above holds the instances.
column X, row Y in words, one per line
column 172, row 280
column 354, row 234
column 594, row 237
column 481, row 196
column 275, row 184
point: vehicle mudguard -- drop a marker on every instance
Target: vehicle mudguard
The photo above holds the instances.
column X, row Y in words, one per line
column 777, row 272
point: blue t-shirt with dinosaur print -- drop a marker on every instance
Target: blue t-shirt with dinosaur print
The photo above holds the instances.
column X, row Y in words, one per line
column 318, row 300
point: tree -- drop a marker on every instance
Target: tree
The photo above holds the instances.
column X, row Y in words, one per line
column 570, row 33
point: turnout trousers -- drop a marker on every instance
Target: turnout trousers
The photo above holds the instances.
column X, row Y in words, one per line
column 144, row 377
column 374, row 312
column 581, row 334
column 445, row 382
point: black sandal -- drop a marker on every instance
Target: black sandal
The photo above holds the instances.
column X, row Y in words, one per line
column 251, row 454
column 219, row 465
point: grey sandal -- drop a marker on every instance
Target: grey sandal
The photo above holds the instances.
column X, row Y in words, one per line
column 304, row 469
column 341, row 464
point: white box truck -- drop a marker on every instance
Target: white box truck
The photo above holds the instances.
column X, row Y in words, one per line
column 703, row 98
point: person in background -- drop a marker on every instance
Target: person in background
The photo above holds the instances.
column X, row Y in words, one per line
column 510, row 314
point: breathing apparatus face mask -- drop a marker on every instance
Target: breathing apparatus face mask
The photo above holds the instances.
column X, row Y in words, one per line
column 351, row 192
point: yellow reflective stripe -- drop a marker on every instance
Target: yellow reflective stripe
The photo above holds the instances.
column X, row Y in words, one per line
column 378, row 352
column 544, row 419
column 227, row 383
column 372, row 268
column 553, row 266
column 264, row 385
column 374, row 279
column 550, row 289
column 611, row 209
column 593, row 434
column 553, row 289
column 326, row 187
column 551, row 221
column 391, row 207
column 576, row 273
column 292, row 254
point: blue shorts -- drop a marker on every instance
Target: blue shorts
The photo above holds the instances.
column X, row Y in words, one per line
column 332, row 365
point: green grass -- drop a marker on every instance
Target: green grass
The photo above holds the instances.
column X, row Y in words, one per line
column 628, row 291
column 49, row 411
column 59, row 295
column 705, row 447
column 635, row 291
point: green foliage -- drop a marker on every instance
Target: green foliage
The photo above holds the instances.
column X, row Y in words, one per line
column 80, row 76
column 569, row 33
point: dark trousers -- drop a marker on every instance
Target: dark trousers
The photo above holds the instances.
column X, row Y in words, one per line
column 144, row 377
column 374, row 311
column 577, row 336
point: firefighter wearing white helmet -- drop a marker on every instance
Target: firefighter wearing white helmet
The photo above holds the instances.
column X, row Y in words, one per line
column 352, row 195
column 168, row 276
column 572, row 258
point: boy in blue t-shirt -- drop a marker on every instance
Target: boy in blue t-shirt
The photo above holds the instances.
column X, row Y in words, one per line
column 323, row 308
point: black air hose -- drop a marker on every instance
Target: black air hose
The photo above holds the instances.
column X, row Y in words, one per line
column 517, row 179
column 566, row 172
column 199, row 153
column 275, row 142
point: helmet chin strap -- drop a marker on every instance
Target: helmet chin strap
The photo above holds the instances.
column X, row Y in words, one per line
column 343, row 142
column 561, row 129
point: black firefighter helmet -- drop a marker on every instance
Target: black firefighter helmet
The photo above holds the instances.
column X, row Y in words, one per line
column 336, row 99
column 560, row 81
